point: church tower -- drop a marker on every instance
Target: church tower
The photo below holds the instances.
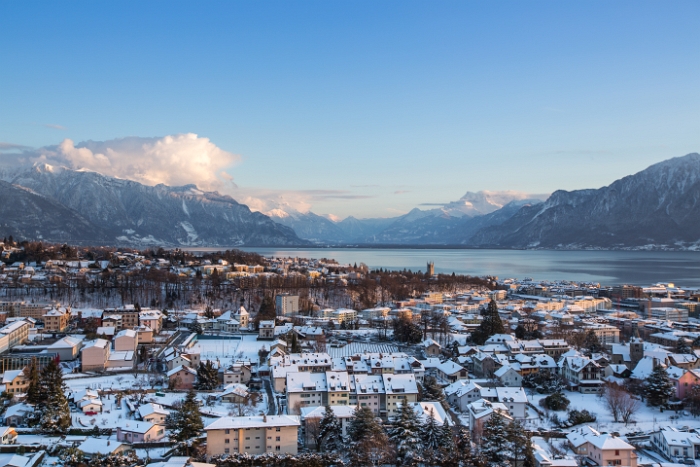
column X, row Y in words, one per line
column 636, row 346
column 431, row 268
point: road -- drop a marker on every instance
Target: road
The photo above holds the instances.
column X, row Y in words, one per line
column 271, row 407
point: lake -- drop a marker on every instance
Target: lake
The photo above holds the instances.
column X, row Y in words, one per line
column 606, row 267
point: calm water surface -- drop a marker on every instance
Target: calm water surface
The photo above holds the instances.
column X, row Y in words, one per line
column 606, row 267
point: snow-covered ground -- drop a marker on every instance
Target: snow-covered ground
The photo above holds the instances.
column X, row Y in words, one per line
column 645, row 418
column 226, row 351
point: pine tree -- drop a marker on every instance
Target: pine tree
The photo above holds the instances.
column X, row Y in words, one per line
column 54, row 410
column 363, row 425
column 682, row 346
column 659, row 388
column 490, row 325
column 463, row 444
column 406, row 433
column 517, row 436
column 529, row 454
column 432, row 433
column 494, row 440
column 207, row 376
column 591, row 343
column 432, row 391
column 330, row 434
column 34, row 393
column 185, row 422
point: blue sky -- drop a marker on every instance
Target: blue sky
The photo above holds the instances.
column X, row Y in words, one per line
column 365, row 108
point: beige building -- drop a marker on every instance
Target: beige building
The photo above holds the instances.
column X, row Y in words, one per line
column 144, row 335
column 602, row 449
column 15, row 381
column 95, row 355
column 126, row 340
column 153, row 319
column 274, row 434
column 266, row 330
column 16, row 333
column 56, row 320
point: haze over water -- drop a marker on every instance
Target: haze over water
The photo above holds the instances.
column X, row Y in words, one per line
column 606, row 267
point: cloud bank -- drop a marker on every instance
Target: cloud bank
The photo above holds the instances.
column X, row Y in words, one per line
column 172, row 160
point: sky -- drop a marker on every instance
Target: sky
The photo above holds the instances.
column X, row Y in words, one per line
column 360, row 108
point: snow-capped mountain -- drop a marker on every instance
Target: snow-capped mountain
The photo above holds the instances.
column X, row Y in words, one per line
column 657, row 207
column 485, row 202
column 130, row 212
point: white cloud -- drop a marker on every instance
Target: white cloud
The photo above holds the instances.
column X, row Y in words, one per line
column 173, row 160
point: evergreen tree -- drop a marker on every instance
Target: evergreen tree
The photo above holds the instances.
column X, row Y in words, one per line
column 517, row 436
column 54, row 410
column 592, row 344
column 330, row 434
column 34, row 392
column 432, row 391
column 364, row 425
column 207, row 376
column 529, row 454
column 494, row 440
column 490, row 325
column 196, row 327
column 185, row 422
column 406, row 433
column 682, row 346
column 432, row 433
column 659, row 388
column 463, row 444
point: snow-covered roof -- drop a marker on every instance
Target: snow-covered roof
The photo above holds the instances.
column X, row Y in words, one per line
column 149, row 409
column 254, row 422
column 340, row 411
column 179, row 368
column 10, row 376
column 99, row 445
column 126, row 333
column 136, row 427
column 66, row 343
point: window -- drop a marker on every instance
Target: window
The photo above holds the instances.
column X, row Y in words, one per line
column 227, row 441
column 227, row 431
column 226, row 450
column 277, row 438
column 277, row 448
column 277, row 429
column 617, row 452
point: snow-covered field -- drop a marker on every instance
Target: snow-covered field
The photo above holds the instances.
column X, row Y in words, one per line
column 645, row 419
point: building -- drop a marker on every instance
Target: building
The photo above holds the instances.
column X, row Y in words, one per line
column 128, row 314
column 266, row 330
column 582, row 374
column 273, row 434
column 95, row 355
column 311, row 418
column 286, row 304
column 480, row 412
column 14, row 334
column 126, row 340
column 8, row 435
column 15, row 381
column 140, row 432
column 601, row 449
column 56, row 320
column 182, row 377
column 153, row 413
column 676, row 446
column 238, row 373
column 67, row 348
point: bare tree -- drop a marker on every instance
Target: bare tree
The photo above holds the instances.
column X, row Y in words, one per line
column 628, row 407
column 620, row 402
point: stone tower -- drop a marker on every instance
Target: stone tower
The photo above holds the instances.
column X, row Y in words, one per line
column 431, row 268
column 636, row 346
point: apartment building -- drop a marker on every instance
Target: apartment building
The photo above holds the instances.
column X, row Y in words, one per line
column 582, row 374
column 14, row 334
column 95, row 355
column 273, row 434
column 286, row 304
column 56, row 320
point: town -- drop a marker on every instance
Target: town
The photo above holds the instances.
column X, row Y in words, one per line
column 173, row 358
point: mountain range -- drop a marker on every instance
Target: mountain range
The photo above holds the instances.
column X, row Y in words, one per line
column 658, row 207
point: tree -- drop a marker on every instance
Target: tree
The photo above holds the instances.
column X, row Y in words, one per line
column 659, row 388
column 592, row 344
column 613, row 396
column 406, row 433
column 369, row 442
column 54, row 410
column 34, row 392
column 330, row 435
column 490, row 325
column 494, row 440
column 364, row 425
column 556, row 401
column 692, row 400
column 207, row 376
column 518, row 441
column 432, row 390
column 463, row 445
column 405, row 330
column 185, row 422
column 682, row 346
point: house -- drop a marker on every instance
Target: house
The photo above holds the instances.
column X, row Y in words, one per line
column 140, row 432
column 15, row 381
column 90, row 406
column 67, row 348
column 514, row 399
column 449, row 372
column 153, row 413
column 581, row 373
column 266, row 434
column 508, row 376
column 676, row 446
column 175, row 360
column 144, row 334
column 17, row 414
column 56, row 320
column 239, row 372
column 95, row 355
column 8, row 435
column 602, row 449
column 242, row 317
column 425, row 410
column 462, row 393
column 235, row 394
column 432, row 348
column 266, row 330
column 182, row 377
column 14, row 460
column 399, row 389
column 126, row 340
